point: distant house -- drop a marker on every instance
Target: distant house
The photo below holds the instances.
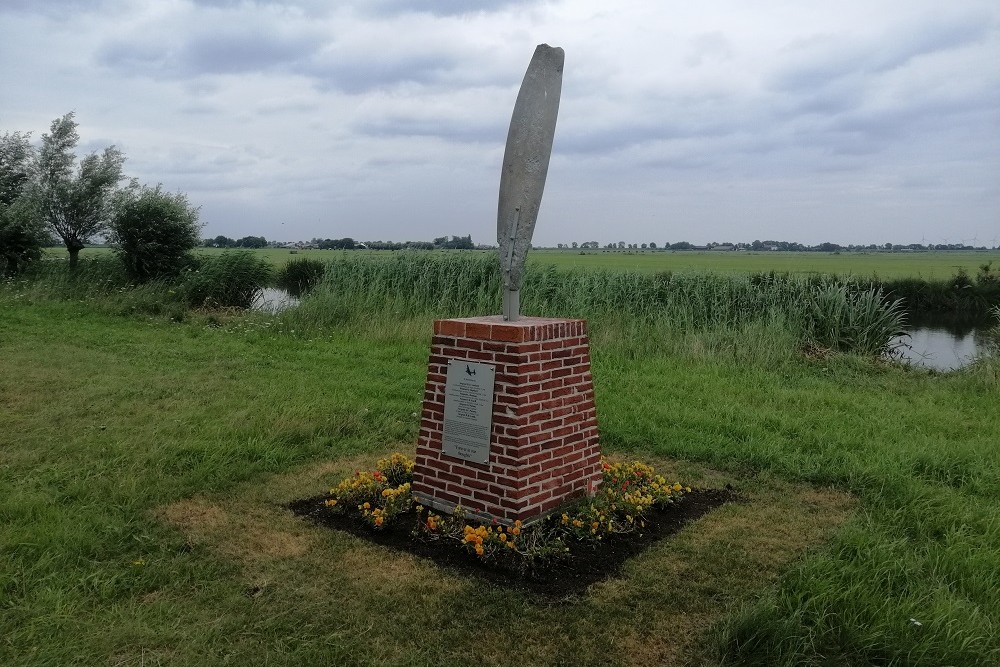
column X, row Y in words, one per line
column 724, row 246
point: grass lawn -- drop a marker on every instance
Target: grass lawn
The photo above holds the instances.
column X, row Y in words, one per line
column 145, row 464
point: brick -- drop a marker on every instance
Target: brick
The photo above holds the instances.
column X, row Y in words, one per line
column 449, row 327
column 478, row 330
column 474, row 484
column 463, row 344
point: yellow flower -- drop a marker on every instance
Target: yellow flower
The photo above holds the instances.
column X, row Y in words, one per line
column 479, row 550
column 367, row 506
column 677, row 486
column 515, row 530
column 378, row 521
column 503, row 537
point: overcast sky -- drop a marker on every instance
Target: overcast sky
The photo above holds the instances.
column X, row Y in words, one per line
column 856, row 121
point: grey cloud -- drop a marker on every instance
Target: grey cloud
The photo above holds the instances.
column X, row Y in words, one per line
column 211, row 50
column 285, row 106
column 708, row 47
column 467, row 131
column 310, row 8
column 440, row 7
column 925, row 119
column 824, row 60
column 357, row 73
column 244, row 51
column 591, row 129
column 55, row 9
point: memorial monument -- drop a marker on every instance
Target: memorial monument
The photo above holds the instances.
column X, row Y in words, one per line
column 508, row 430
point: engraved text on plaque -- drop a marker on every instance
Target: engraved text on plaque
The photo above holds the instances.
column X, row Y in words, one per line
column 468, row 410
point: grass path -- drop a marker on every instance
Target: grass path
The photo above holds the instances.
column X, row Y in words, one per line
column 142, row 467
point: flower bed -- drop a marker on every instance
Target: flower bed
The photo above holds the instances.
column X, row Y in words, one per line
column 560, row 554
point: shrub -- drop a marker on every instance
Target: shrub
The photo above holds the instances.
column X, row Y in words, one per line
column 153, row 232
column 231, row 279
column 21, row 237
column 301, row 275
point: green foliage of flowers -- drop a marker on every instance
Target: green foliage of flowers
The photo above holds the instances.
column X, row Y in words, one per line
column 629, row 492
column 376, row 496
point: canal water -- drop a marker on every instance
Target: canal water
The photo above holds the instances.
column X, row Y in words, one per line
column 273, row 300
column 942, row 344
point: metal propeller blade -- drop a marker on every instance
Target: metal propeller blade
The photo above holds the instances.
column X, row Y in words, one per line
column 525, row 166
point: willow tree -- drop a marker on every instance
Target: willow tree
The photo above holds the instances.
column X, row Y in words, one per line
column 21, row 233
column 75, row 200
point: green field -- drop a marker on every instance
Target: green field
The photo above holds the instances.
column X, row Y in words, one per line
column 937, row 265
column 146, row 464
column 927, row 265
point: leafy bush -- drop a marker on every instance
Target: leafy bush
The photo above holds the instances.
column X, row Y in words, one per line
column 231, row 279
column 21, row 238
column 153, row 232
column 301, row 275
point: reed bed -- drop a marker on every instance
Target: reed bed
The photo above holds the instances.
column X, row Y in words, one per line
column 823, row 311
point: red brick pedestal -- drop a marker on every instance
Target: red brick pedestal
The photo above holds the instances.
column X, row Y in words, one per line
column 544, row 448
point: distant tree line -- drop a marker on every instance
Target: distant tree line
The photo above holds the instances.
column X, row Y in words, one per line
column 346, row 243
column 226, row 242
column 766, row 246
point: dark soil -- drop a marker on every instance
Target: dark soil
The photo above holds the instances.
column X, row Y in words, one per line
column 551, row 579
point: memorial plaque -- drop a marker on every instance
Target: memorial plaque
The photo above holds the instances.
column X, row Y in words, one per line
column 468, row 410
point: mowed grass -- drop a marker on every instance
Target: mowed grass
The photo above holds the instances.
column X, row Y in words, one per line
column 145, row 465
column 931, row 265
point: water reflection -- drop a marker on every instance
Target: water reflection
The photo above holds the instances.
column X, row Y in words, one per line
column 943, row 344
column 273, row 300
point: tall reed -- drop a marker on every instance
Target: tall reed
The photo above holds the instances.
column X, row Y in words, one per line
column 824, row 311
